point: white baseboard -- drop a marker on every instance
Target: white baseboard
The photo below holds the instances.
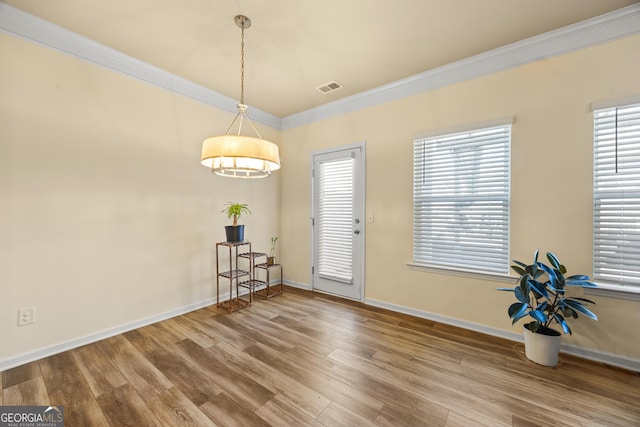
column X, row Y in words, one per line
column 586, row 353
column 595, row 355
column 41, row 353
column 298, row 285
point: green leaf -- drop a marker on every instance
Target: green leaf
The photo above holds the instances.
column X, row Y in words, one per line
column 520, row 263
column 572, row 313
column 549, row 285
column 581, row 308
column 582, row 283
column 539, row 288
column 566, row 311
column 578, row 277
column 521, row 296
column 518, row 270
column 553, row 260
column 534, row 326
column 535, row 256
column 560, row 277
column 505, row 289
column 518, row 317
column 516, row 309
column 584, row 299
column 533, row 269
column 524, row 286
column 542, row 307
column 563, row 269
column 563, row 323
column 513, row 308
column 550, row 272
column 538, row 315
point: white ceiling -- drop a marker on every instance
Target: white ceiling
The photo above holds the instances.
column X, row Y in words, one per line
column 293, row 46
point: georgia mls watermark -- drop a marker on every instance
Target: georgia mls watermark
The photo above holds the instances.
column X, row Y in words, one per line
column 31, row 416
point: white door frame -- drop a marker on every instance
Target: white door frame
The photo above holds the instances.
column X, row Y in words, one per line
column 360, row 214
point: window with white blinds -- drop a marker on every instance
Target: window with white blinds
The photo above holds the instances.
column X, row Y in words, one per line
column 335, row 217
column 461, row 200
column 616, row 195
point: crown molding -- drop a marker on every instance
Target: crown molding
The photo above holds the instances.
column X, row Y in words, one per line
column 601, row 29
column 28, row 27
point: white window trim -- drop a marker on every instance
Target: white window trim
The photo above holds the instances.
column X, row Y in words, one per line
column 615, row 102
column 460, row 271
column 509, row 120
column 494, row 277
column 604, row 289
column 609, row 290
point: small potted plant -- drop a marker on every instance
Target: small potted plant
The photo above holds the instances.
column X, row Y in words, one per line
column 540, row 295
column 271, row 259
column 235, row 232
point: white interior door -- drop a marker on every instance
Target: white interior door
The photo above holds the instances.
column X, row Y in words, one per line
column 338, row 221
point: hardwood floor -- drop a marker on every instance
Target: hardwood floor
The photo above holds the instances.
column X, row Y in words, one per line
column 309, row 359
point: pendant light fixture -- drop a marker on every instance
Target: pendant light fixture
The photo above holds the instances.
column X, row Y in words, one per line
column 233, row 154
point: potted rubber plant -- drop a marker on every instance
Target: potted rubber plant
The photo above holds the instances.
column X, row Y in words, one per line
column 235, row 232
column 540, row 295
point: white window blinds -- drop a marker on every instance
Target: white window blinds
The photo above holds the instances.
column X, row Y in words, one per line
column 335, row 217
column 616, row 195
column 461, row 200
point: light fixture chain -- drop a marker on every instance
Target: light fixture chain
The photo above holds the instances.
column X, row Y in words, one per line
column 242, row 66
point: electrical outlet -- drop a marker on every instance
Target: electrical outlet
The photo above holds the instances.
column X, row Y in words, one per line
column 26, row 316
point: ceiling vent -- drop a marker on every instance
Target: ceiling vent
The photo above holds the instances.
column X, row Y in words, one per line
column 329, row 87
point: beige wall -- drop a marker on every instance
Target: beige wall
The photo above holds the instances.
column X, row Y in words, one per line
column 551, row 203
column 107, row 216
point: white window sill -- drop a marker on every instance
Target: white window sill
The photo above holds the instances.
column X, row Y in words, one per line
column 505, row 278
column 631, row 293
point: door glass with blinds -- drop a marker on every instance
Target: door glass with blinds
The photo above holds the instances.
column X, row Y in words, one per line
column 335, row 218
column 461, row 200
column 616, row 195
column 337, row 227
